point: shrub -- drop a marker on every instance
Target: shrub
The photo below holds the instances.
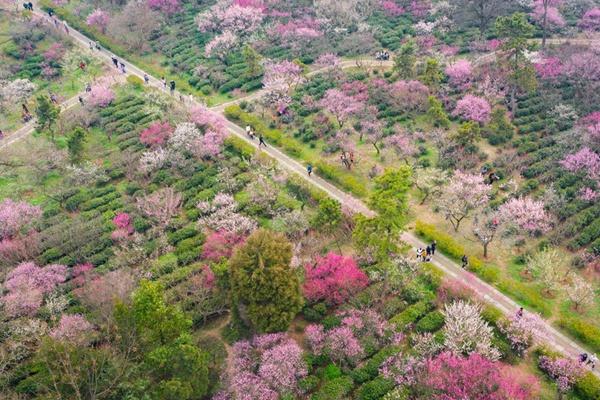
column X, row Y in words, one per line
column 165, row 264
column 336, row 389
column 431, row 322
column 370, row 369
column 587, row 387
column 586, row 332
column 375, row 389
column 135, row 81
column 340, row 177
column 411, row 314
column 331, row 371
column 308, row 384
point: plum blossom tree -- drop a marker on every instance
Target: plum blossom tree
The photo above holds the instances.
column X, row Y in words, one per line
column 333, row 278
column 15, row 91
column 473, row 108
column 220, row 244
column 545, row 13
column 465, row 332
column 16, row 216
column 284, row 75
column 124, row 224
column 101, row 96
column 580, row 292
column 525, row 215
column 590, row 21
column 98, row 19
column 188, row 139
column 340, row 105
column 156, row 134
column 549, row 68
column 429, row 181
column 585, row 160
column 550, row 267
column 563, row 371
column 485, row 227
column 165, row 6
column 460, row 74
column 221, row 214
column 339, row 344
column 221, row 45
column 475, row 377
column 402, row 145
column 162, row 205
column 391, row 8
column 409, row 95
column 72, row 328
column 402, row 369
column 463, row 194
column 27, row 284
column 523, row 331
column 54, row 53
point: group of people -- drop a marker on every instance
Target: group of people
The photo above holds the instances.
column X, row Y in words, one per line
column 382, row 55
column 25, row 114
column 28, row 6
column 120, row 65
column 426, row 254
column 250, row 133
column 347, row 159
column 590, row 360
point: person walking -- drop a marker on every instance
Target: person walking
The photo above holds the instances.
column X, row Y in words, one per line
column 82, row 66
column 66, row 27
column 115, row 62
column 97, row 45
column 592, row 360
column 261, row 141
column 309, row 169
column 122, row 67
column 146, row 78
column 520, row 313
column 465, row 261
column 172, row 87
column 428, row 251
column 419, row 254
column 433, row 246
column 164, row 82
column 1, row 134
column 81, row 101
column 91, row 45
column 53, row 98
column 88, row 87
column 248, row 130
column 583, row 358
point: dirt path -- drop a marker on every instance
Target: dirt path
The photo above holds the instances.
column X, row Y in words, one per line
column 486, row 292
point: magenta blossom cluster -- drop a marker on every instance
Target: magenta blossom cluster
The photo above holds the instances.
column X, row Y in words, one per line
column 221, row 244
column 16, row 216
column 124, row 226
column 564, row 371
column 98, row 19
column 460, row 74
column 473, row 108
column 391, row 8
column 156, row 134
column 590, row 21
column 72, row 328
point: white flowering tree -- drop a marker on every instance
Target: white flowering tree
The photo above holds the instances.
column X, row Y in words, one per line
column 463, row 194
column 15, row 92
column 550, row 267
column 580, row 293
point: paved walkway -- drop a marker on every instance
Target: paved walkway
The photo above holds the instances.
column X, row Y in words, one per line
column 486, row 292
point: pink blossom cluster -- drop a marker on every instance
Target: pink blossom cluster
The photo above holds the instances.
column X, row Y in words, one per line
column 449, row 51
column 340, row 105
column 204, row 118
column 156, row 134
column 27, row 284
column 221, row 244
column 588, row 194
column 473, row 108
column 72, row 328
column 549, row 68
column 521, row 331
column 391, row 8
column 356, row 89
column 101, row 96
column 124, row 224
column 460, row 74
column 300, row 29
column 564, row 371
column 220, row 45
column 525, row 213
column 15, row 216
column 546, row 12
column 282, row 76
column 339, row 343
column 165, row 6
column 419, row 8
column 409, row 95
column 235, row 18
column 266, row 367
column 328, row 60
column 403, row 370
column 585, row 160
column 590, row 21
column 426, row 42
column 402, row 145
column 98, row 19
column 19, row 248
column 333, row 278
column 80, row 272
column 54, row 53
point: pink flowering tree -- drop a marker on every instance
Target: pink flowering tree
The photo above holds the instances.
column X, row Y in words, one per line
column 474, row 377
column 221, row 45
column 16, row 216
column 391, row 8
column 460, row 74
column 101, row 96
column 124, row 227
column 525, row 215
column 284, row 76
column 546, row 14
column 549, row 68
column 165, row 6
column 161, row 206
column 402, row 369
column 72, row 328
column 590, row 21
column 54, row 53
column 98, row 19
column 156, row 134
column 339, row 344
column 409, row 96
column 402, row 145
column 298, row 33
column 463, row 194
column 585, row 160
column 473, row 108
column 523, row 331
column 268, row 367
column 341, row 105
column 333, row 278
column 563, row 371
column 26, row 286
column 221, row 244
column 221, row 215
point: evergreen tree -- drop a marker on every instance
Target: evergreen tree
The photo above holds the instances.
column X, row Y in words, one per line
column 467, row 133
column 436, row 113
column 500, row 129
column 75, row 144
column 47, row 114
column 265, row 289
column 329, row 217
column 432, row 75
column 405, row 60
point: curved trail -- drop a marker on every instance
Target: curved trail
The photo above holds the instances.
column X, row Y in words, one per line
column 485, row 291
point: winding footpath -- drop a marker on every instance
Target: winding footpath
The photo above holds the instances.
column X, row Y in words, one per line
column 484, row 291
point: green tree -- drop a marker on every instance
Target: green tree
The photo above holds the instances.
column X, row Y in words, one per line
column 405, row 60
column 437, row 114
column 500, row 129
column 75, row 144
column 252, row 60
column 467, row 133
column 389, row 200
column 172, row 367
column 265, row 289
column 515, row 30
column 432, row 75
column 329, row 217
column 47, row 113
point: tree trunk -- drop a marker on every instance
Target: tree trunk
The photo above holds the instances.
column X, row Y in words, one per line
column 376, row 148
column 485, row 250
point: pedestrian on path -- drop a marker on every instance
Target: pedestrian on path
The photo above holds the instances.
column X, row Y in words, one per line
column 164, row 82
column 592, row 360
column 309, row 169
column 97, row 45
column 1, row 134
column 122, row 67
column 115, row 62
column 53, row 98
column 146, row 78
column 66, row 27
column 82, row 66
column 81, row 101
column 172, row 87
column 433, row 246
column 520, row 313
column 91, row 45
column 261, row 141
column 88, row 87
column 465, row 261
column 583, row 358
column 419, row 254
column 428, row 251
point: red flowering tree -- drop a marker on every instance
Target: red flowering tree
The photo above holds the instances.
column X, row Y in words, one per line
column 221, row 244
column 333, row 278
column 156, row 134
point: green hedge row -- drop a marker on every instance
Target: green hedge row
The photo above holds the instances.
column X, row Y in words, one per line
column 586, row 332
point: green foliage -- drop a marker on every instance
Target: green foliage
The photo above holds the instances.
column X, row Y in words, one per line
column 432, row 76
column 587, row 387
column 266, row 291
column 47, row 114
column 331, row 371
column 405, row 60
column 411, row 314
column 337, row 389
column 437, row 114
column 75, row 144
column 329, row 215
column 430, row 322
column 370, row 368
column 467, row 133
column 375, row 389
column 588, row 333
column 165, row 264
column 341, row 177
column 135, row 81
column 500, row 129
